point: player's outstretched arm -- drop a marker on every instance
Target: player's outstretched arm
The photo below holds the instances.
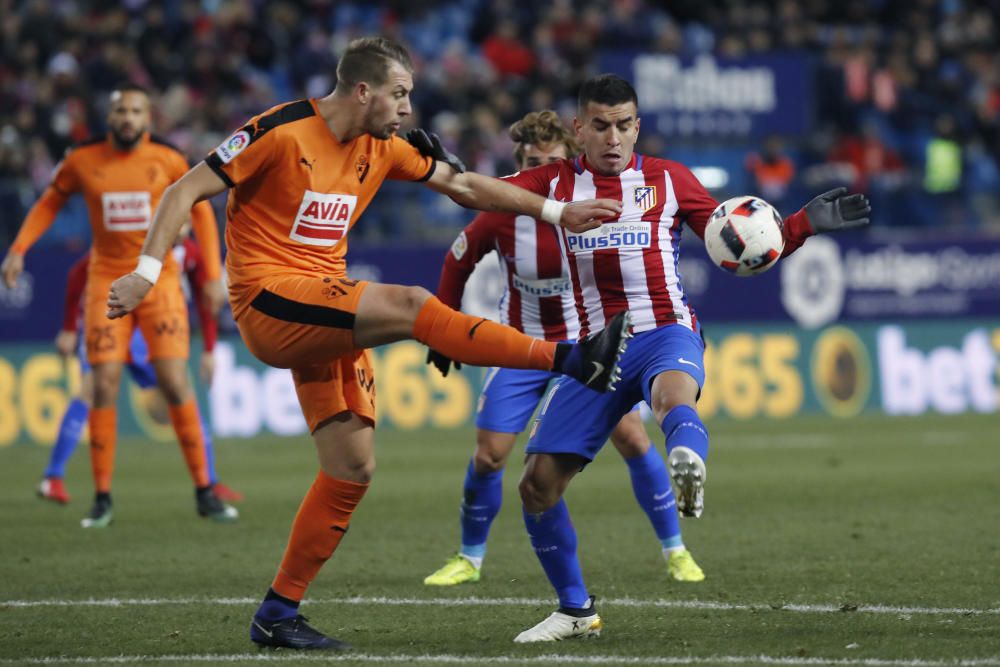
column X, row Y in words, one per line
column 485, row 193
column 175, row 207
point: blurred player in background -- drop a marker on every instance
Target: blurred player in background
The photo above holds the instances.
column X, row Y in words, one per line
column 299, row 176
column 122, row 177
column 69, row 343
column 538, row 300
column 628, row 264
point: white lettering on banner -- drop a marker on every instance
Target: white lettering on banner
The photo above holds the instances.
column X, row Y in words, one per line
column 542, row 286
column 126, row 211
column 243, row 402
column 621, row 235
column 323, row 218
column 945, row 379
column 662, row 83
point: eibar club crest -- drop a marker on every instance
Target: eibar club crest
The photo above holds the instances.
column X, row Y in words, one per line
column 362, row 166
column 645, row 196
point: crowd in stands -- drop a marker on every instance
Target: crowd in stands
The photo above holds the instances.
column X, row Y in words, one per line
column 905, row 93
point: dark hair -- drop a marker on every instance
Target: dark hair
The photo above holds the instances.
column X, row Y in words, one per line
column 609, row 89
column 367, row 59
column 129, row 87
column 541, row 128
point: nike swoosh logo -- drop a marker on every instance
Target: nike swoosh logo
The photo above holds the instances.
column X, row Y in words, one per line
column 262, row 629
column 682, row 360
column 660, row 496
column 598, row 369
column 472, row 331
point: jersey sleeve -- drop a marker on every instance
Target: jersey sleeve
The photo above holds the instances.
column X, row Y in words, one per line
column 65, row 182
column 245, row 153
column 796, row 230
column 694, row 204
column 536, row 179
column 472, row 244
column 407, row 162
column 76, row 281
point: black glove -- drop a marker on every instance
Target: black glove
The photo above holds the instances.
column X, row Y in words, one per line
column 430, row 146
column 832, row 211
column 441, row 362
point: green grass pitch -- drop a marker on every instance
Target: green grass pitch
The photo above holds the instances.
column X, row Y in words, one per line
column 872, row 541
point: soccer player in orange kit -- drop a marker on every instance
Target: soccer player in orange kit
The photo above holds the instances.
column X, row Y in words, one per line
column 299, row 176
column 122, row 177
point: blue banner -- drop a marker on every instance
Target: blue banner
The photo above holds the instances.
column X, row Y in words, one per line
column 707, row 96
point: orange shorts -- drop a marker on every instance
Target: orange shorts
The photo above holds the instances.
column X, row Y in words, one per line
column 306, row 323
column 162, row 316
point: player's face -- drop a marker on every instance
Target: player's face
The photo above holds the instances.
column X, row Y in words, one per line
column 128, row 117
column 535, row 155
column 608, row 135
column 389, row 103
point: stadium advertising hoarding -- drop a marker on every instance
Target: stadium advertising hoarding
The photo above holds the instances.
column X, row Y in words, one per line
column 755, row 371
column 705, row 96
column 828, row 280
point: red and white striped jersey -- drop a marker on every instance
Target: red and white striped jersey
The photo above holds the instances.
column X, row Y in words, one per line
column 538, row 295
column 629, row 263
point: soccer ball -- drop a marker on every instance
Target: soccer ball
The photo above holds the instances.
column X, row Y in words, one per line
column 744, row 235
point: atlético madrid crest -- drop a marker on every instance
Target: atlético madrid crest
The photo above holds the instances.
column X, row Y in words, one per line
column 645, row 196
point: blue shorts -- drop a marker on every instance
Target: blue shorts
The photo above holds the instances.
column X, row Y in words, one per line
column 139, row 366
column 577, row 420
column 509, row 398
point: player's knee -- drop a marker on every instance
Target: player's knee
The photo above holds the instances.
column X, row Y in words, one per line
column 175, row 390
column 488, row 460
column 536, row 494
column 357, row 471
column 412, row 299
column 630, row 443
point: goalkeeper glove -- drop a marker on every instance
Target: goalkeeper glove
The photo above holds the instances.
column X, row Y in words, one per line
column 833, row 211
column 441, row 362
column 430, row 146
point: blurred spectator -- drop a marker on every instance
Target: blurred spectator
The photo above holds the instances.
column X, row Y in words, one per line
column 772, row 172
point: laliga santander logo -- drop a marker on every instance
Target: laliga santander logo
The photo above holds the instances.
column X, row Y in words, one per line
column 813, row 283
column 233, row 146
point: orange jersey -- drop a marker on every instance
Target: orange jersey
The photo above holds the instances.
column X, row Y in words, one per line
column 122, row 190
column 296, row 191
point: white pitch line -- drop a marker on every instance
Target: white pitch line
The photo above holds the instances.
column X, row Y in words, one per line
column 514, row 602
column 559, row 659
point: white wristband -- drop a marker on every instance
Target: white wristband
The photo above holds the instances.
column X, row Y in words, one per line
column 148, row 268
column 552, row 211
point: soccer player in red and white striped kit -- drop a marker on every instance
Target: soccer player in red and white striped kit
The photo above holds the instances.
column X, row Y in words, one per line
column 628, row 264
column 538, row 300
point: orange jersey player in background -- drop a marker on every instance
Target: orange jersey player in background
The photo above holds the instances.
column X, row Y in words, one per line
column 122, row 178
column 299, row 176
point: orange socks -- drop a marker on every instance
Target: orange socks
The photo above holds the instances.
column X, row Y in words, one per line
column 478, row 341
column 187, row 426
column 103, row 438
column 319, row 525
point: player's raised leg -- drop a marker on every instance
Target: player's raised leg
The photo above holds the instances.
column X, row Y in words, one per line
column 388, row 313
column 651, row 486
column 673, row 396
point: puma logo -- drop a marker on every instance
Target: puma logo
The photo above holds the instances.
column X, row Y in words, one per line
column 307, row 163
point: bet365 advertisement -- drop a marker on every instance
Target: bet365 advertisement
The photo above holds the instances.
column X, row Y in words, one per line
column 752, row 372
